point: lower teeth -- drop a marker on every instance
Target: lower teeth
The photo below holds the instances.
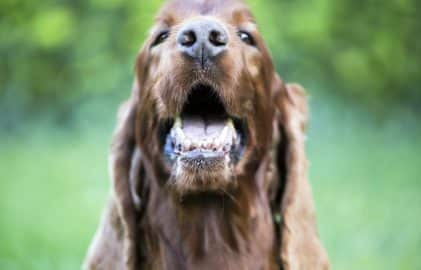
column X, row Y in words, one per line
column 223, row 142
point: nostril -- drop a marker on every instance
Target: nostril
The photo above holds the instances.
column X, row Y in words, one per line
column 202, row 39
column 217, row 38
column 188, row 38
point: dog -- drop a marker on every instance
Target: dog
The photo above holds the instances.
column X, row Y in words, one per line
column 208, row 163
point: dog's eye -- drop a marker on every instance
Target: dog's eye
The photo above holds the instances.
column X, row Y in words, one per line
column 246, row 38
column 161, row 38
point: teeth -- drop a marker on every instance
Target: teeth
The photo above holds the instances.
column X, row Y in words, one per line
column 187, row 144
column 226, row 148
column 194, row 145
column 221, row 139
column 208, row 143
column 223, row 142
column 178, row 134
column 227, row 135
column 230, row 123
column 178, row 123
column 215, row 144
column 179, row 147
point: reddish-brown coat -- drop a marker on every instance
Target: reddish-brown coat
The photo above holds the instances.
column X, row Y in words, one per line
column 147, row 226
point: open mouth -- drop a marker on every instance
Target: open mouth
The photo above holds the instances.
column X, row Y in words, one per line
column 204, row 132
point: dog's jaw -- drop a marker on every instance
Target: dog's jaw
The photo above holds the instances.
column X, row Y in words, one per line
column 203, row 144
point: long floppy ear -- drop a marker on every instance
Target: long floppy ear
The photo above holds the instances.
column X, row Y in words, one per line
column 300, row 247
column 120, row 165
column 126, row 165
column 114, row 244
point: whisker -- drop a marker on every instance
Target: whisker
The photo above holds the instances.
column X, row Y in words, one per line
column 231, row 197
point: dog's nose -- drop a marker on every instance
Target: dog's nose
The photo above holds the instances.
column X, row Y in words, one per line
column 202, row 39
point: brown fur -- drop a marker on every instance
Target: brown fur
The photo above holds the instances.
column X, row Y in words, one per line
column 264, row 218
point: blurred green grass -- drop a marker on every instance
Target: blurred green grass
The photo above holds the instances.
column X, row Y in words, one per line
column 365, row 177
column 53, row 185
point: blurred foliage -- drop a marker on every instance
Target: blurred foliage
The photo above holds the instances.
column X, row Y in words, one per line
column 55, row 53
column 367, row 50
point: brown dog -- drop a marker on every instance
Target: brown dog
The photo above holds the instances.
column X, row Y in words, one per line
column 208, row 162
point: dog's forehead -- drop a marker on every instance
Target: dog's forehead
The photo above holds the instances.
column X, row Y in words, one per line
column 234, row 11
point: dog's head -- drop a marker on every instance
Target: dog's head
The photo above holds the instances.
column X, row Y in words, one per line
column 208, row 114
column 205, row 82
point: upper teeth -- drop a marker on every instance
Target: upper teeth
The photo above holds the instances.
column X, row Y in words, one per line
column 221, row 142
column 177, row 122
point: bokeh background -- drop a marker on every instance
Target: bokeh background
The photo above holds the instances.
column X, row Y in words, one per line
column 65, row 65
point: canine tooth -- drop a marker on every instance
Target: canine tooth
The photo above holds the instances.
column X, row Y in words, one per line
column 224, row 134
column 179, row 134
column 227, row 137
column 230, row 123
column 178, row 123
column 234, row 134
column 230, row 138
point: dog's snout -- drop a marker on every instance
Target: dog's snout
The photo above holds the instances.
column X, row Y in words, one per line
column 202, row 39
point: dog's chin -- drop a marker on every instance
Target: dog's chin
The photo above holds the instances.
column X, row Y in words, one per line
column 202, row 173
column 203, row 144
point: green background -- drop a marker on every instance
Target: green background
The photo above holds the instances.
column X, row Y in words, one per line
column 65, row 66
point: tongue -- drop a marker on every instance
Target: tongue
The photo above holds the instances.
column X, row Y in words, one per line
column 199, row 128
